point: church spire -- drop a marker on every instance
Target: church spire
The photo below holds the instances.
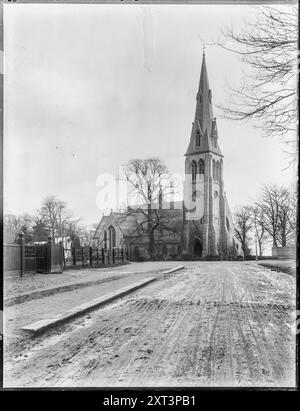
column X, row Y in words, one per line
column 204, row 127
column 203, row 84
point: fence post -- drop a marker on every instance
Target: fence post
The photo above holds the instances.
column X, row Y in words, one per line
column 64, row 257
column 82, row 257
column 21, row 241
column 102, row 256
column 113, row 255
column 97, row 256
column 91, row 255
column 122, row 255
column 49, row 255
column 74, row 255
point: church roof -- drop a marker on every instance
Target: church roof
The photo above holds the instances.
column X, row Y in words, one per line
column 204, row 123
column 101, row 226
column 129, row 223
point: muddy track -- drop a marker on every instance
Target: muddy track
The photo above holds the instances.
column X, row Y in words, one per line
column 208, row 325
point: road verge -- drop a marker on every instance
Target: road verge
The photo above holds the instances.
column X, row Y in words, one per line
column 41, row 326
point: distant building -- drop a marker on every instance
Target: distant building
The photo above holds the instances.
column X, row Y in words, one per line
column 204, row 226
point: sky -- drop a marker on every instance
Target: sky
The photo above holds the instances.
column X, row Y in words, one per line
column 89, row 87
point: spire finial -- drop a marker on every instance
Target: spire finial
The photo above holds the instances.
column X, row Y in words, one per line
column 204, row 45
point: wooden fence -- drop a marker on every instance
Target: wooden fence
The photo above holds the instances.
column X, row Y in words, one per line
column 52, row 258
column 90, row 256
column 24, row 258
column 12, row 261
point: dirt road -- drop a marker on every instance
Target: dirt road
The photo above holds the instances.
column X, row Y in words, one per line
column 212, row 324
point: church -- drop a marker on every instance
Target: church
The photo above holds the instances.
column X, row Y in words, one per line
column 203, row 222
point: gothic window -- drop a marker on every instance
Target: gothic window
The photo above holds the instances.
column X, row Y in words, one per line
column 209, row 95
column 198, row 138
column 105, row 241
column 136, row 252
column 227, row 224
column 164, row 250
column 201, row 166
column 217, row 170
column 112, row 237
column 194, row 171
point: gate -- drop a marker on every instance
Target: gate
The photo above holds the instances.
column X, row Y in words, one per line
column 30, row 266
column 41, row 258
column 56, row 258
column 44, row 258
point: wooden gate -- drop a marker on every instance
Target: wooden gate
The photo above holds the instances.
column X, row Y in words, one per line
column 44, row 258
column 41, row 258
column 30, row 265
column 56, row 258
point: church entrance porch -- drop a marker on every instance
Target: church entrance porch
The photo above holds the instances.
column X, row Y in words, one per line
column 197, row 248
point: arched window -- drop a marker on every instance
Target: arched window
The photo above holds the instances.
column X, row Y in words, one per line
column 164, row 250
column 201, row 166
column 105, row 241
column 217, row 170
column 112, row 237
column 194, row 171
column 227, row 224
column 136, row 252
column 214, row 169
column 198, row 138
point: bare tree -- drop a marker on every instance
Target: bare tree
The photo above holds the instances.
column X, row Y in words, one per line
column 278, row 205
column 258, row 224
column 73, row 228
column 57, row 216
column 16, row 224
column 242, row 227
column 148, row 182
column 269, row 47
column 40, row 226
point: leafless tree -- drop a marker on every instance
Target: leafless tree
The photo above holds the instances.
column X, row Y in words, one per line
column 57, row 216
column 278, row 205
column 242, row 227
column 268, row 94
column 258, row 224
column 148, row 183
column 14, row 225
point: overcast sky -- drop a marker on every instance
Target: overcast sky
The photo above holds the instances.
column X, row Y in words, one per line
column 88, row 87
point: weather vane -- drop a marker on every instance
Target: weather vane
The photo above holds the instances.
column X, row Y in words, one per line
column 203, row 44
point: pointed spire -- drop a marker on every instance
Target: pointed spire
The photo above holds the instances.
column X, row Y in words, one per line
column 203, row 84
column 204, row 116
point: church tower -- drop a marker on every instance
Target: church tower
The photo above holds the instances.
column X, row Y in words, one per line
column 208, row 225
